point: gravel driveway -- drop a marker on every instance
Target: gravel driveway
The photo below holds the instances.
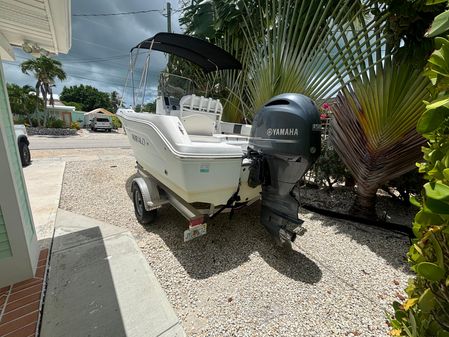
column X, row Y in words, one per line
column 338, row 281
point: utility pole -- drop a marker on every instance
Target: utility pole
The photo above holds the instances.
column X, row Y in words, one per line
column 169, row 17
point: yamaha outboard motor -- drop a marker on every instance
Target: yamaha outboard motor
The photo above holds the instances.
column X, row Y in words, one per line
column 285, row 141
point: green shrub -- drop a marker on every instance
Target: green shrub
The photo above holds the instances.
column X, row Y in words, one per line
column 55, row 123
column 116, row 122
column 426, row 311
column 329, row 169
column 34, row 122
column 19, row 120
column 75, row 125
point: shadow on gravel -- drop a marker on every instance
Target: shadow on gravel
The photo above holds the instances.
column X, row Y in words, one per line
column 229, row 244
column 390, row 246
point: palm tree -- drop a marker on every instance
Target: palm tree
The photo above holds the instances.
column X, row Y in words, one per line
column 374, row 129
column 285, row 46
column 45, row 70
column 309, row 47
column 22, row 100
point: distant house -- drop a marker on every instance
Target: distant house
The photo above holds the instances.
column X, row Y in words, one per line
column 78, row 116
column 100, row 112
column 61, row 111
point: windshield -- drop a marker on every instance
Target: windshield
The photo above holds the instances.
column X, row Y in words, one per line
column 174, row 85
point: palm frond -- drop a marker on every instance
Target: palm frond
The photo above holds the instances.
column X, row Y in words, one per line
column 309, row 47
column 374, row 129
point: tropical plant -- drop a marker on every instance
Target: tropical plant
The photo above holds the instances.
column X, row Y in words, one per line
column 374, row 126
column 280, row 53
column 316, row 62
column 45, row 70
column 426, row 311
column 88, row 97
column 406, row 24
column 329, row 169
column 222, row 23
column 147, row 107
column 116, row 123
column 115, row 101
column 55, row 123
column 75, row 125
column 22, row 100
column 212, row 19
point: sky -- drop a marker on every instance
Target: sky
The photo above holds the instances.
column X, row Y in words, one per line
column 100, row 44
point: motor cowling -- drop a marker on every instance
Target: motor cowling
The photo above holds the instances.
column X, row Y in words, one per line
column 285, row 142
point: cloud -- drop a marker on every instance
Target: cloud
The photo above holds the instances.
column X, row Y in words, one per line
column 107, row 38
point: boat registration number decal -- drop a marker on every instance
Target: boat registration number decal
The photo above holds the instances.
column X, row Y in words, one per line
column 138, row 139
column 204, row 168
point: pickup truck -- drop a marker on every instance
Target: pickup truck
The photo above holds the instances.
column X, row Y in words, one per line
column 23, row 143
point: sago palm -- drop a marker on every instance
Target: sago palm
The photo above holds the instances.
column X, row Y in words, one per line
column 45, row 70
column 374, row 129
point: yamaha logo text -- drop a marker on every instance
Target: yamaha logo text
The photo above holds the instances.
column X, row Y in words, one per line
column 282, row 132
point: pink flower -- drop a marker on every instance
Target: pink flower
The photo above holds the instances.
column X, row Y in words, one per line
column 325, row 106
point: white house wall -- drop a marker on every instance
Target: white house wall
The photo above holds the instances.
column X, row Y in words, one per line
column 42, row 22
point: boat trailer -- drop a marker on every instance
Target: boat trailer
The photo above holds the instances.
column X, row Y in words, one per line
column 149, row 194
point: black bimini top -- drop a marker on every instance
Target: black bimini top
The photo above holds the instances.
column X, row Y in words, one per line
column 200, row 52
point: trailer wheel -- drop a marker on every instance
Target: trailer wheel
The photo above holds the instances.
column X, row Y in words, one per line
column 25, row 155
column 143, row 216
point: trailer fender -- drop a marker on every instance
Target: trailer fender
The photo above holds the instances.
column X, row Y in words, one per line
column 150, row 192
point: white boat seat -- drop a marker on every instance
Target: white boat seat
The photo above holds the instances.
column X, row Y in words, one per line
column 209, row 109
column 198, row 125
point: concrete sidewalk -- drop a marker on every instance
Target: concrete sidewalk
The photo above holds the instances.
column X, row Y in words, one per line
column 44, row 184
column 99, row 283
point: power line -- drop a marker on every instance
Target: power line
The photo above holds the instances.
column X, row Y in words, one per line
column 97, row 44
column 74, row 61
column 122, row 13
column 94, row 60
column 96, row 80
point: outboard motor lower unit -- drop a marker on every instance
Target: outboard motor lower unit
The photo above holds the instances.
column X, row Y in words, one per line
column 285, row 141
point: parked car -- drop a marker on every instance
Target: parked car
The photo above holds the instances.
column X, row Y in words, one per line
column 101, row 123
column 23, row 143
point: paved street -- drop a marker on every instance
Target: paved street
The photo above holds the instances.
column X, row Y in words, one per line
column 84, row 140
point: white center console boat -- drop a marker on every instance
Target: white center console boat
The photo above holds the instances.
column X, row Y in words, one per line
column 187, row 155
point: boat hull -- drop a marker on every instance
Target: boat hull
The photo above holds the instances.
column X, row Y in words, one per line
column 195, row 171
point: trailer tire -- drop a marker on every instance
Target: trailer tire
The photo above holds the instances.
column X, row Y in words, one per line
column 143, row 216
column 25, row 155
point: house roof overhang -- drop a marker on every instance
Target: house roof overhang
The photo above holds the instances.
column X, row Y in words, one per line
column 42, row 24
